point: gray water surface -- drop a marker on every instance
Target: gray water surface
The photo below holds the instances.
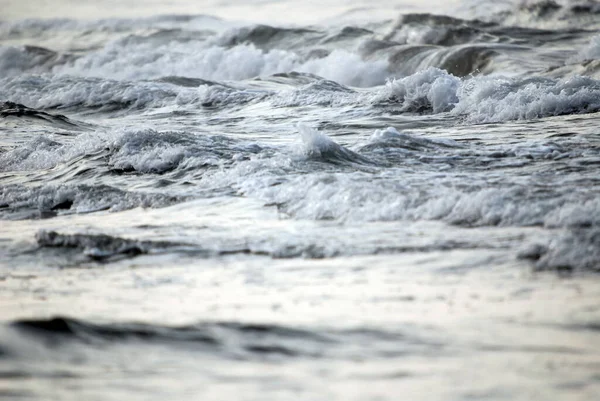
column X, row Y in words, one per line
column 272, row 200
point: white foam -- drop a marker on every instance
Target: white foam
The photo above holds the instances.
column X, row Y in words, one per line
column 582, row 214
column 396, row 194
column 391, row 137
column 489, row 99
column 143, row 150
column 29, row 202
column 478, row 99
column 431, row 88
column 43, row 153
column 315, row 143
column 49, row 91
column 492, row 99
column 322, row 92
column 130, row 60
column 133, row 60
column 573, row 249
column 361, row 197
column 414, row 34
column 321, row 147
column 348, row 69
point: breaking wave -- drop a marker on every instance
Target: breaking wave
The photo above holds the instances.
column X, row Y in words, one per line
column 494, row 99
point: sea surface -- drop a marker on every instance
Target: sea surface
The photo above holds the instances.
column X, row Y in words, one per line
column 284, row 200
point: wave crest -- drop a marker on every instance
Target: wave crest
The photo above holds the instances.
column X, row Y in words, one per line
column 493, row 99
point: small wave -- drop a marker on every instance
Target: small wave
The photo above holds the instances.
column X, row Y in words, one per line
column 346, row 34
column 436, row 30
column 430, row 90
column 491, row 99
column 549, row 14
column 464, row 47
column 553, row 10
column 211, row 96
column 460, row 60
column 268, row 37
column 100, row 247
column 229, row 339
column 318, row 91
column 152, row 152
column 364, row 196
column 348, row 69
column 239, row 340
column 164, row 37
column 14, row 60
column 540, row 9
column 143, row 151
column 294, row 78
column 186, row 81
column 437, row 20
column 65, row 92
column 131, row 61
column 319, row 147
column 480, row 99
column 71, row 93
column 19, row 202
column 389, row 138
column 589, row 52
column 45, row 153
column 574, row 250
column 23, row 113
column 495, row 99
column 456, row 35
column 464, row 60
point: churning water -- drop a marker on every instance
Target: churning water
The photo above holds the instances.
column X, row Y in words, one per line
column 274, row 200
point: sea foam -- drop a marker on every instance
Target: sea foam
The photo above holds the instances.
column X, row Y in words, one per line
column 123, row 60
column 485, row 99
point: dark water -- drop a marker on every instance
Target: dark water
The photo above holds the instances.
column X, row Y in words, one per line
column 297, row 201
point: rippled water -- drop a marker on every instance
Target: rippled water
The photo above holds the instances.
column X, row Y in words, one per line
column 278, row 200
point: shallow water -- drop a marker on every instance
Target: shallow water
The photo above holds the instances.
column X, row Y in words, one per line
column 272, row 200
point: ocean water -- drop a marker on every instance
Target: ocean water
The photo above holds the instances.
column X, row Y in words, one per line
column 279, row 200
